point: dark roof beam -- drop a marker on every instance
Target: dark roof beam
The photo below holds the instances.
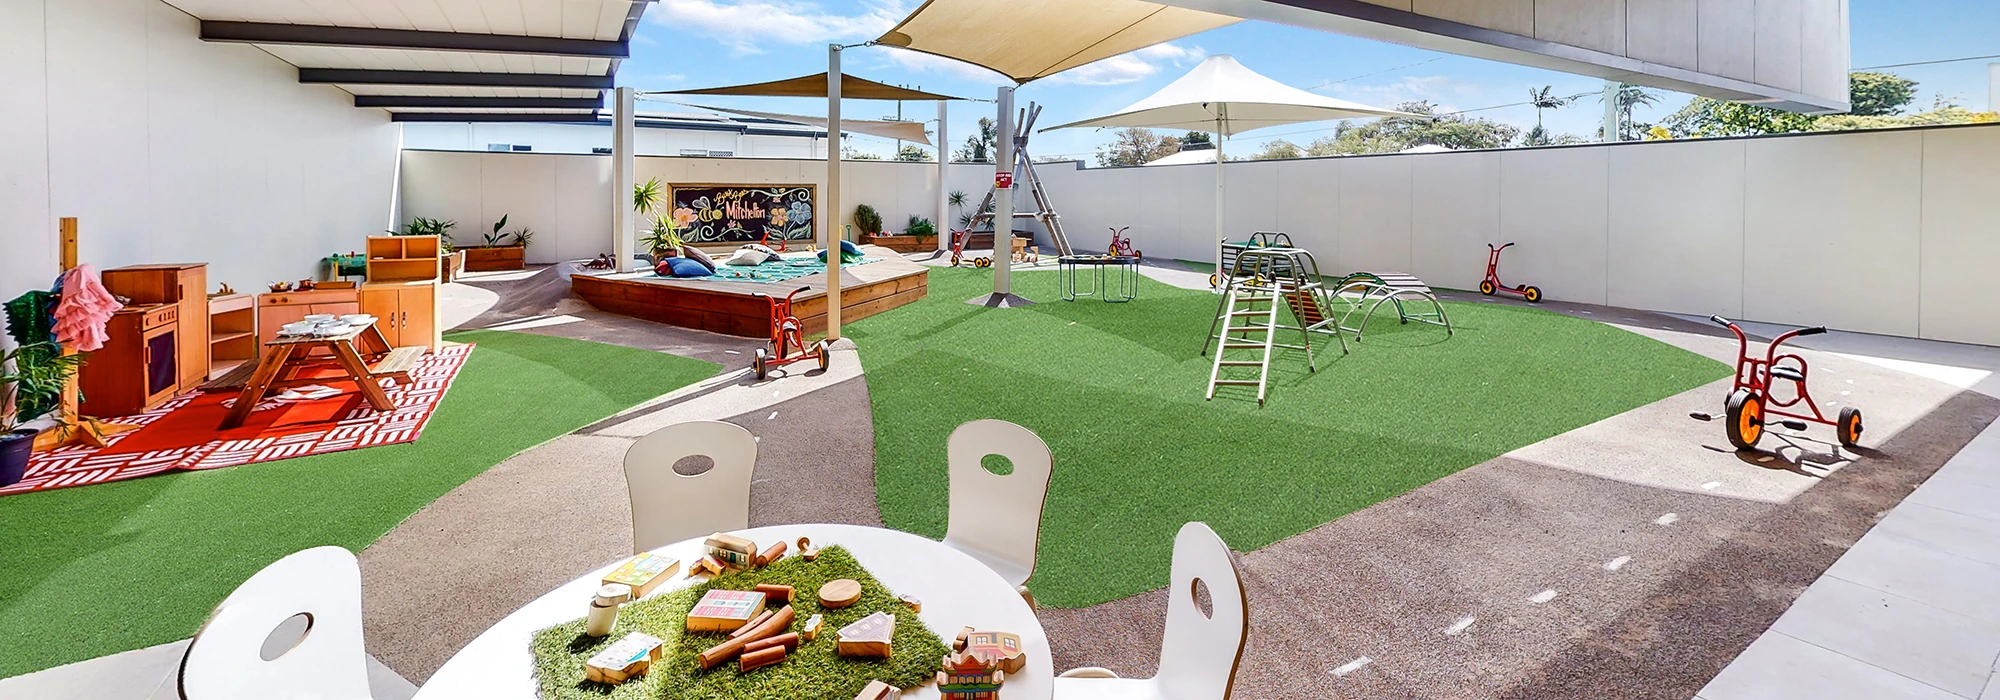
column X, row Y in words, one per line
column 368, row 37
column 421, row 101
column 547, row 117
column 355, row 76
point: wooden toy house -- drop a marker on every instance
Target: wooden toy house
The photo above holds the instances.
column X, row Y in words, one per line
column 724, row 610
column 970, row 676
column 867, row 637
column 1004, row 648
column 734, row 552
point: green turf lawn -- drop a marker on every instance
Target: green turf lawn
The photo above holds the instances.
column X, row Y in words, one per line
column 1117, row 392
column 98, row 569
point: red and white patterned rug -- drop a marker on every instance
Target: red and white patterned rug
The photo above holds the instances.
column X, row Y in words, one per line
column 181, row 434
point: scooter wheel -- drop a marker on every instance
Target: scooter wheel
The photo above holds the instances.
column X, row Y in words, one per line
column 1486, row 288
column 1214, row 281
column 759, row 361
column 954, row 260
column 983, row 262
column 1850, row 426
column 825, row 354
column 1745, row 419
column 1532, row 294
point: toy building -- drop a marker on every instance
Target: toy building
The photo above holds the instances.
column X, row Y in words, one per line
column 1002, row 647
column 970, row 675
column 734, row 552
column 724, row 610
column 868, row 636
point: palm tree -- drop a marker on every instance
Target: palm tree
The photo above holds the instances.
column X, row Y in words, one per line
column 1544, row 97
column 1630, row 96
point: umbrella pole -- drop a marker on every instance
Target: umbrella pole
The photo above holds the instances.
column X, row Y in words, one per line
column 1222, row 113
column 833, row 216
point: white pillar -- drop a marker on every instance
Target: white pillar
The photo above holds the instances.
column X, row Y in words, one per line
column 944, row 188
column 1611, row 111
column 1003, row 198
column 1993, row 87
column 623, row 177
column 1221, row 235
column 831, row 206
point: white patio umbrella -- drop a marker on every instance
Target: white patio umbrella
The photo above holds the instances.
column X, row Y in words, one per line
column 1222, row 97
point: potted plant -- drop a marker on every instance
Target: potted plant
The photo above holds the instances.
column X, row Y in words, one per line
column 662, row 240
column 454, row 259
column 32, row 378
column 868, row 220
column 497, row 251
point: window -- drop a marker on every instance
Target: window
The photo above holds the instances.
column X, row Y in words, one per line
column 721, row 154
column 520, row 147
column 601, row 150
column 703, row 152
column 499, row 146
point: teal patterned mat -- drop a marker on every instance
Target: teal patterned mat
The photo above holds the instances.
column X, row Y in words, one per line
column 775, row 271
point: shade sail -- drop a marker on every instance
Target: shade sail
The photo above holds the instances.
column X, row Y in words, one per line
column 1221, row 96
column 907, row 131
column 1030, row 39
column 851, row 88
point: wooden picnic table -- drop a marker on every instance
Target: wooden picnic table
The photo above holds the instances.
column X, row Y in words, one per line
column 344, row 350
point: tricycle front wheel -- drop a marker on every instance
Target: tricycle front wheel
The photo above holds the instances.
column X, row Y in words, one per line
column 1745, row 417
column 1850, row 426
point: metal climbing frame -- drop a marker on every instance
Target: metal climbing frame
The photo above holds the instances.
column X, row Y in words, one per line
column 1258, row 281
column 1357, row 289
column 1045, row 211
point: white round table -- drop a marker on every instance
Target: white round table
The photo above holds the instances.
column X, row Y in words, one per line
column 955, row 589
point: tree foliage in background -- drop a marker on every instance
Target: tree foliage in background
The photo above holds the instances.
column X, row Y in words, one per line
column 1194, row 138
column 1274, row 150
column 1877, row 101
column 1630, row 96
column 912, row 153
column 852, row 153
column 1136, row 146
column 979, row 148
column 1878, row 94
column 1393, row 134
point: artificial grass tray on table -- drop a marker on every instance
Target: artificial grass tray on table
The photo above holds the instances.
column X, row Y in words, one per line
column 812, row 671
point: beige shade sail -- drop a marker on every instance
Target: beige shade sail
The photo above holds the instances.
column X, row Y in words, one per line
column 851, row 88
column 907, row 131
column 1030, row 39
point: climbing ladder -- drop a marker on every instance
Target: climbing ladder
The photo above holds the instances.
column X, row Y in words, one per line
column 1024, row 171
column 1247, row 319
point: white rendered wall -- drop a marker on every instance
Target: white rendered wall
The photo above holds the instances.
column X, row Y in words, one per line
column 168, row 149
column 581, row 138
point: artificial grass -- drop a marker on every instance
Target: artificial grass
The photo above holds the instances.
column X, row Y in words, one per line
column 1116, row 390
column 93, row 570
column 814, row 670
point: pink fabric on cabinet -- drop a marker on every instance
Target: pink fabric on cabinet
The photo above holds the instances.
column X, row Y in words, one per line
column 85, row 307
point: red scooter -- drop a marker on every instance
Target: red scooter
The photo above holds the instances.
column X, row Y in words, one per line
column 787, row 339
column 1750, row 400
column 958, row 239
column 1492, row 282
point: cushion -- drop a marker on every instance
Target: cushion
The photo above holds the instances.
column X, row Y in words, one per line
column 746, row 256
column 683, row 267
column 695, row 254
column 848, row 251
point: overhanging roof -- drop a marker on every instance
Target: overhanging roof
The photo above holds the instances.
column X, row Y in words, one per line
column 851, row 88
column 1030, row 39
column 479, row 57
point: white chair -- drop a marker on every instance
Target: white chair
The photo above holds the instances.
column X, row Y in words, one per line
column 997, row 519
column 668, row 507
column 320, row 656
column 1199, row 652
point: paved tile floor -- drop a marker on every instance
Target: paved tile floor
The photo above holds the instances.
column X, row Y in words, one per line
column 1913, row 609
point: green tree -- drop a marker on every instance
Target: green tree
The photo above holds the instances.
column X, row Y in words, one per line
column 1873, row 98
column 1630, row 96
column 1274, row 150
column 1136, row 146
column 1543, row 98
column 913, row 153
column 979, row 148
column 852, row 153
column 1392, row 134
column 1878, row 94
column 1193, row 138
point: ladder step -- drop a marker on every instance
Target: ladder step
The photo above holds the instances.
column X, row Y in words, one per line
column 1238, row 382
column 1256, row 329
column 1240, row 363
column 1249, row 313
column 1242, row 345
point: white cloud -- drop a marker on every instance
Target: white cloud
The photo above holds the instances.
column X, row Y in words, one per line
column 1130, row 67
column 1446, row 92
column 747, row 26
column 920, row 62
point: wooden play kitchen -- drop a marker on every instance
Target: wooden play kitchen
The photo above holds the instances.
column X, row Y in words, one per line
column 157, row 346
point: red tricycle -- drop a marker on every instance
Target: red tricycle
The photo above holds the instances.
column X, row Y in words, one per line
column 1751, row 400
column 1492, row 282
column 1121, row 246
column 958, row 239
column 787, row 339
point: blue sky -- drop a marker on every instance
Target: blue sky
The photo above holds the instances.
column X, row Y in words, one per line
column 695, row 43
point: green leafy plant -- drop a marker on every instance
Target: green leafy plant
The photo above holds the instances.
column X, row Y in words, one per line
column 494, row 237
column 32, row 375
column 867, row 219
column 662, row 239
column 648, row 197
column 421, row 226
column 920, row 227
column 523, row 235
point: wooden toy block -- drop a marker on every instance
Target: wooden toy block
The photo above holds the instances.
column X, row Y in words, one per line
column 752, row 624
column 724, row 611
column 731, row 551
column 788, row 640
column 631, row 656
column 811, row 629
column 1003, row 647
column 867, row 637
column 916, row 606
column 970, row 676
column 715, row 655
column 839, row 593
column 753, row 660
column 772, row 591
column 644, row 573
column 958, row 644
column 806, row 550
column 877, row 690
column 774, row 553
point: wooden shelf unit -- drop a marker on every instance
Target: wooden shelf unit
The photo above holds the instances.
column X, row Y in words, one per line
column 403, row 258
column 232, row 332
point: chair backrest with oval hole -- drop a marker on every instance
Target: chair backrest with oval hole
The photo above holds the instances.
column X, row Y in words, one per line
column 667, row 506
column 997, row 519
column 1199, row 651
column 252, row 647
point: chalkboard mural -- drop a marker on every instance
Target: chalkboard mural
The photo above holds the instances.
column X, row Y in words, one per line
column 743, row 213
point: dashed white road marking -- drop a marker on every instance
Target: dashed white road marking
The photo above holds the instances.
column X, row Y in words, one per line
column 773, row 416
column 1351, row 666
column 1667, row 519
column 1845, row 393
column 1543, row 597
column 1459, row 627
column 1618, row 563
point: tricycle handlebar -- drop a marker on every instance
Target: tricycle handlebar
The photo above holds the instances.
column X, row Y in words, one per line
column 1815, row 330
column 1719, row 320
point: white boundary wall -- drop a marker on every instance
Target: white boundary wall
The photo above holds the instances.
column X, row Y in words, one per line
column 168, row 149
column 1891, row 232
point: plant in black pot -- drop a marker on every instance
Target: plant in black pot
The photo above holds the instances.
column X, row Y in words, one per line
column 32, row 378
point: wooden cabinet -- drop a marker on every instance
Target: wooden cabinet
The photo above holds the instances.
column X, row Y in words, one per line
column 405, row 312
column 185, row 286
column 232, row 332
column 276, row 309
column 403, row 258
column 140, row 364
